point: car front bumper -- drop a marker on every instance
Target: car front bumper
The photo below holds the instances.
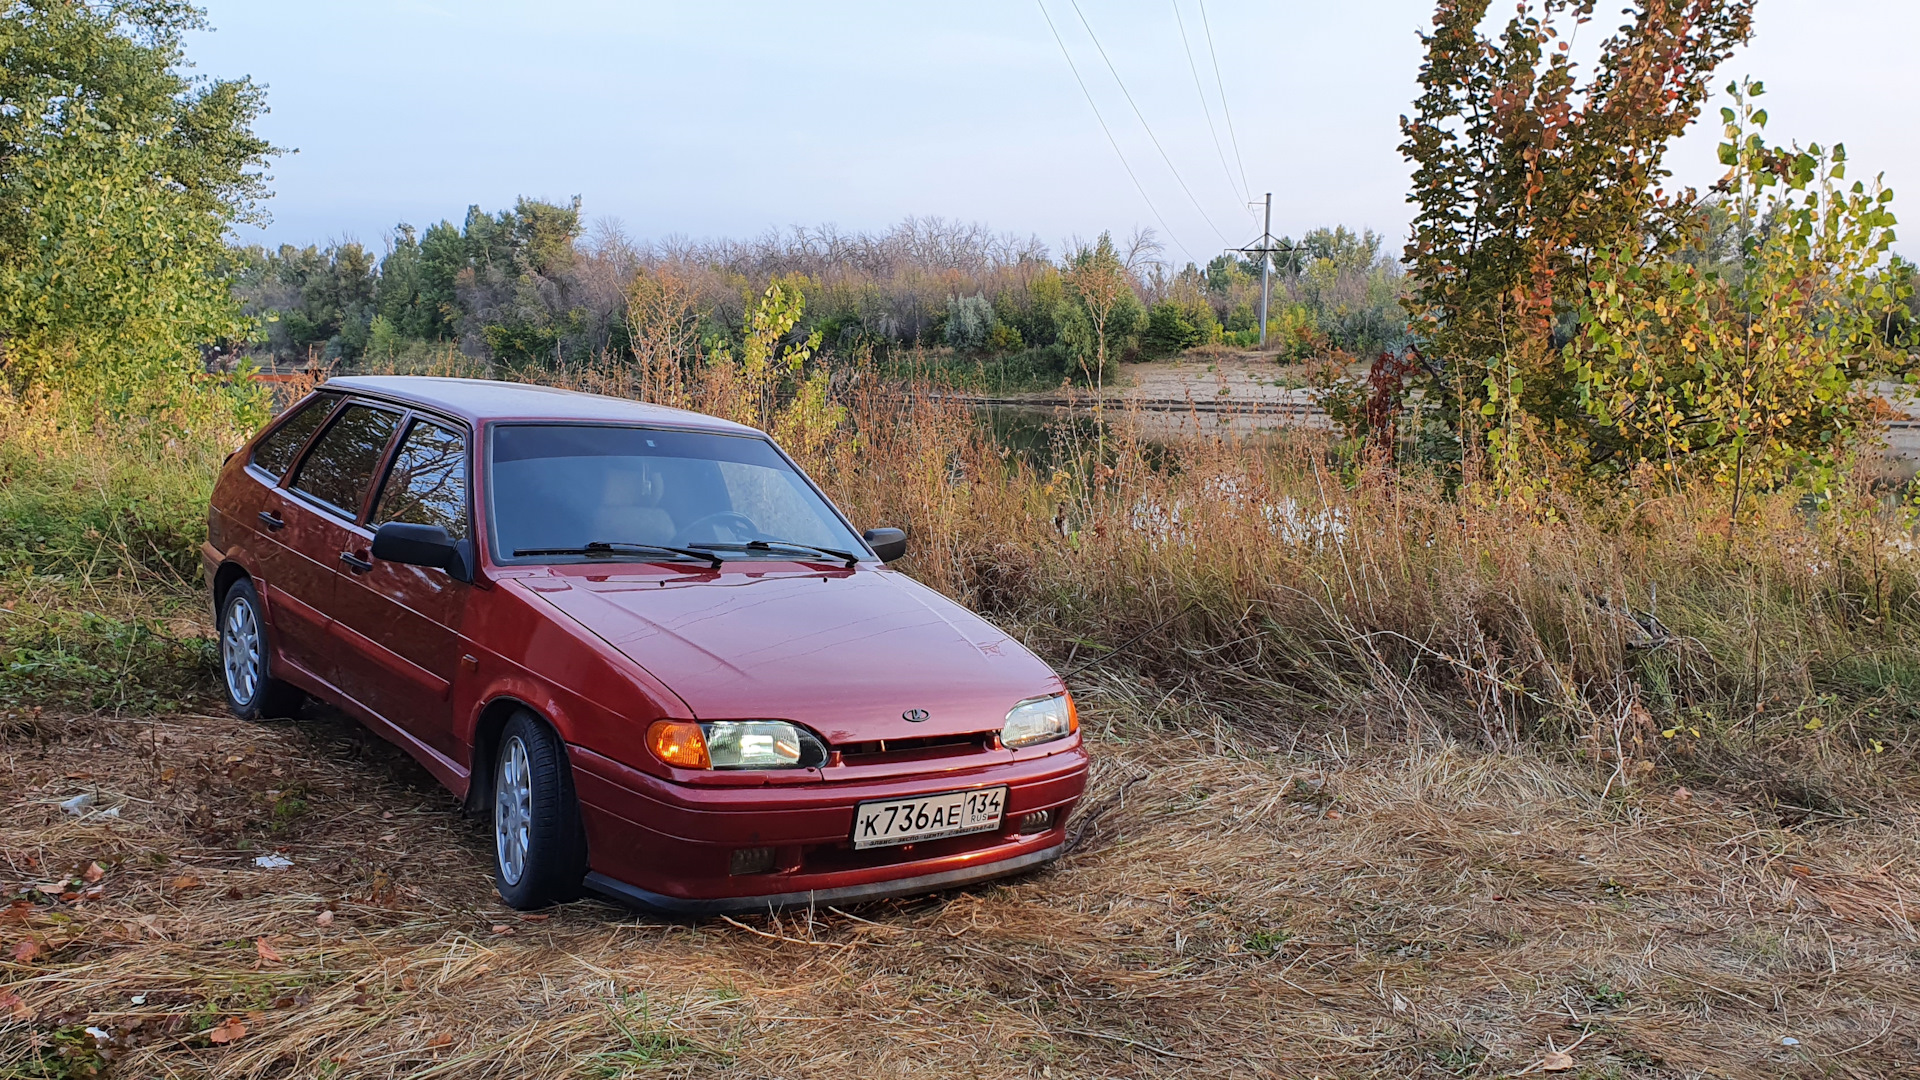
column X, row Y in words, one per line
column 667, row 846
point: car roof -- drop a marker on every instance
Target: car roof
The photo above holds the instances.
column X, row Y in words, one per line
column 480, row 401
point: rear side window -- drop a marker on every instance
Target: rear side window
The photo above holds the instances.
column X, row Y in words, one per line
column 427, row 484
column 275, row 453
column 339, row 469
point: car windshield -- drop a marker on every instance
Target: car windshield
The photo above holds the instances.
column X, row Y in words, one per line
column 575, row 492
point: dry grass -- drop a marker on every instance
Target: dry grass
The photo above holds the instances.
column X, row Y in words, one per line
column 1319, row 908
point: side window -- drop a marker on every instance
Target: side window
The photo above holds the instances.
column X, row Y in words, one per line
column 428, row 482
column 274, row 454
column 339, row 469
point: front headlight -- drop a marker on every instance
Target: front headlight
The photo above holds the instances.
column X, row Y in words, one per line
column 1040, row 720
column 735, row 744
column 762, row 744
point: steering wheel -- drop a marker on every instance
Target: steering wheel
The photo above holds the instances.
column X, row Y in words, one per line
column 741, row 522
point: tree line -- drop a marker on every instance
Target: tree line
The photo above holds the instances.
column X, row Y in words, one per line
column 534, row 285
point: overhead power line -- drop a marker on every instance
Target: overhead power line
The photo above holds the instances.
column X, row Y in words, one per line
column 1143, row 122
column 1239, row 192
column 1221, row 83
column 1071, row 66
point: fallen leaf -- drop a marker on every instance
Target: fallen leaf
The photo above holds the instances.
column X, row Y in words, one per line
column 16, row 1008
column 325, row 918
column 93, row 873
column 1681, row 794
column 16, row 911
column 1801, row 871
column 442, row 1039
column 187, row 881
column 1557, row 1061
column 502, row 928
column 407, row 982
column 24, row 951
column 266, row 952
column 227, row 1032
column 166, row 775
column 1334, row 815
column 535, row 918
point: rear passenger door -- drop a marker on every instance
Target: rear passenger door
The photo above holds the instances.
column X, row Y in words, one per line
column 288, row 580
column 404, row 622
column 329, row 491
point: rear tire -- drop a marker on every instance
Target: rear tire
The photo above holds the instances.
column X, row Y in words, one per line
column 246, row 659
column 540, row 850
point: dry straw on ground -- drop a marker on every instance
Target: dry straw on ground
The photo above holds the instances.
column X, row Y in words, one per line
column 1314, row 909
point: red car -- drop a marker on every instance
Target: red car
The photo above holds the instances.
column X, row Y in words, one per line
column 643, row 638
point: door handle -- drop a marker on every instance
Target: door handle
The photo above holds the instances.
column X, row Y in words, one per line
column 355, row 563
column 272, row 520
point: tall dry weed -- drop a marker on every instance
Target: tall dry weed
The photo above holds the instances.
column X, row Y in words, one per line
column 1265, row 576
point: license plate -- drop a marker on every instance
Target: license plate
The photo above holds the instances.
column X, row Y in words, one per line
column 929, row 817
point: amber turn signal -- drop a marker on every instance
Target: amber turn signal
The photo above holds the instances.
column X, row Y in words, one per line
column 1073, row 715
column 679, row 743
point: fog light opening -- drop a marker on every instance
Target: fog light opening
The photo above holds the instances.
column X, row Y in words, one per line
column 750, row 860
column 1037, row 822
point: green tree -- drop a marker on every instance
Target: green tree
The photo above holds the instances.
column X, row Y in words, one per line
column 119, row 177
column 1522, row 173
column 1108, row 310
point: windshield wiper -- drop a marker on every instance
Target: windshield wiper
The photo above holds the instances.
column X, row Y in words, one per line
column 621, row 547
column 847, row 557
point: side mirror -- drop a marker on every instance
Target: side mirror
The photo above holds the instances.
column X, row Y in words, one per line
column 889, row 544
column 421, row 545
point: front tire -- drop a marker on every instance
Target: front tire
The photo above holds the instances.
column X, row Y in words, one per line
column 540, row 852
column 246, row 659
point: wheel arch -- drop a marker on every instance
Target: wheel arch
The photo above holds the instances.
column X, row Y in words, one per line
column 486, row 746
column 223, row 579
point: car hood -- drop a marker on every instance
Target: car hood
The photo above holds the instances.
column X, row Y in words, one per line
column 847, row 653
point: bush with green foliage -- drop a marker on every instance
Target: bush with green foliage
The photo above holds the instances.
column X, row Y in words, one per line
column 1170, row 329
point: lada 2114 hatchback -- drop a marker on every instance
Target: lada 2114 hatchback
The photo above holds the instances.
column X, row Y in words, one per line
column 641, row 639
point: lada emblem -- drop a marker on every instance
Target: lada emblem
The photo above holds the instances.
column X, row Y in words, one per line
column 915, row 716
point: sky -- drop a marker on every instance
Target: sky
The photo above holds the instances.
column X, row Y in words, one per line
column 729, row 119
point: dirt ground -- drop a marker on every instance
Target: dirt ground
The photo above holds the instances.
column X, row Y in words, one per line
column 1239, row 377
column 1280, row 905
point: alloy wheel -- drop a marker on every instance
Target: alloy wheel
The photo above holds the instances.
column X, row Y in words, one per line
column 512, row 810
column 240, row 651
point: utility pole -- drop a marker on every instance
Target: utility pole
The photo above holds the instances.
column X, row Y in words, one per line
column 1266, row 270
column 1265, row 247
